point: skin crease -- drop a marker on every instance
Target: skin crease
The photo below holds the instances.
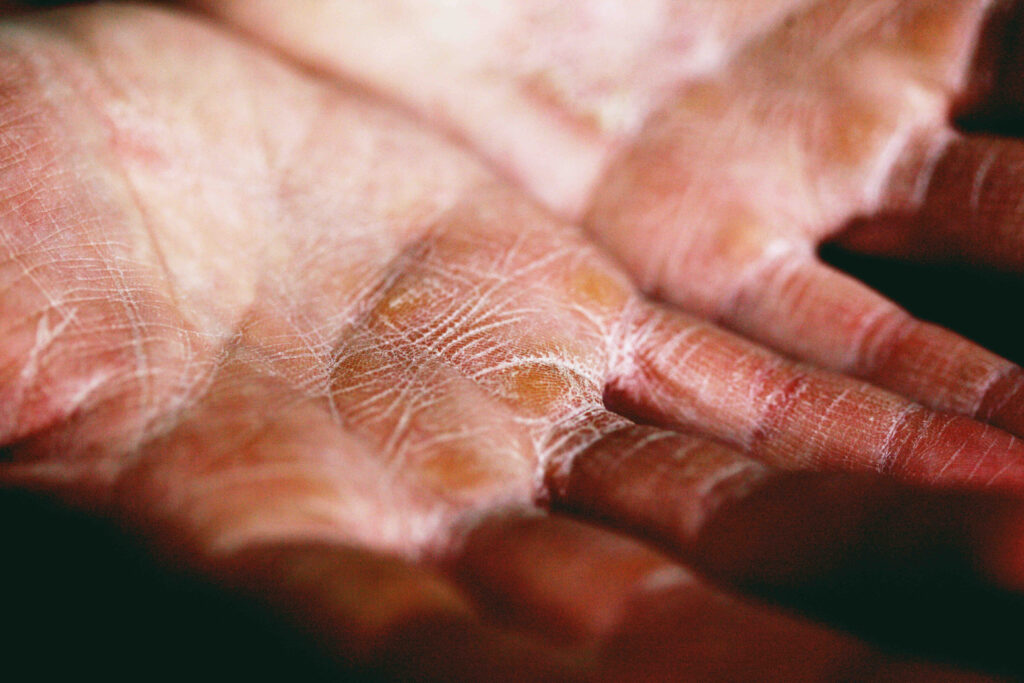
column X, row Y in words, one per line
column 317, row 352
column 712, row 146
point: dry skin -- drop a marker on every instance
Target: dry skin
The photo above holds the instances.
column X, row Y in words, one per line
column 317, row 350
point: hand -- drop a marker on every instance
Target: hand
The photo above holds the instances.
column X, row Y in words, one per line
column 310, row 349
column 713, row 145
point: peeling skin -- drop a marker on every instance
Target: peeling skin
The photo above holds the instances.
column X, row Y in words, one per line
column 311, row 348
column 743, row 130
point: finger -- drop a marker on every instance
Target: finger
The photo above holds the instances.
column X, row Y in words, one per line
column 563, row 579
column 805, row 308
column 569, row 579
column 692, row 375
column 959, row 202
column 388, row 617
column 676, row 488
column 850, row 545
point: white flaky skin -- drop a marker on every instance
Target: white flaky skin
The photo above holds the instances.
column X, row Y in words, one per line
column 712, row 145
column 318, row 350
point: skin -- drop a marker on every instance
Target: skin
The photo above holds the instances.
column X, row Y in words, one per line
column 314, row 350
column 712, row 145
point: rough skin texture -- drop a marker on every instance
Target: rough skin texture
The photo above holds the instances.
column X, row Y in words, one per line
column 317, row 351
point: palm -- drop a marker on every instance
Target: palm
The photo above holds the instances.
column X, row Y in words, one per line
column 713, row 146
column 317, row 352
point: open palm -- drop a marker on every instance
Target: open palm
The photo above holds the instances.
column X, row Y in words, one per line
column 317, row 352
column 712, row 146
